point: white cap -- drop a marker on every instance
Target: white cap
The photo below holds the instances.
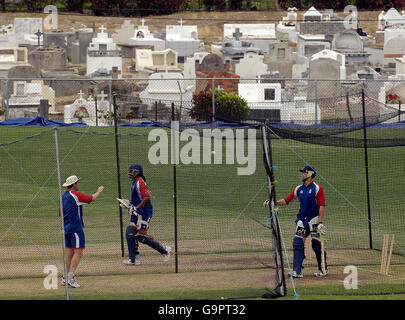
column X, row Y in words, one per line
column 70, row 181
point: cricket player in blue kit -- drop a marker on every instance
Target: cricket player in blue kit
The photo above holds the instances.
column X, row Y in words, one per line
column 72, row 204
column 141, row 212
column 309, row 220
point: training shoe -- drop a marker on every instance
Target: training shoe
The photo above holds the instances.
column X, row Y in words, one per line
column 63, row 282
column 319, row 273
column 294, row 274
column 129, row 262
column 166, row 256
column 137, row 260
column 72, row 282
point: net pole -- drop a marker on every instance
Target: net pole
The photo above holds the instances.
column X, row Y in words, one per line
column 65, row 270
column 95, row 106
column 117, row 156
column 213, row 100
column 275, row 226
column 174, row 161
column 370, row 235
column 276, row 222
column 7, row 96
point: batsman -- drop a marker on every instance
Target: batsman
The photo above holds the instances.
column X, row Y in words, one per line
column 141, row 211
column 309, row 221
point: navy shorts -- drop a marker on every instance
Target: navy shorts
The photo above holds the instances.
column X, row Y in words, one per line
column 142, row 220
column 74, row 240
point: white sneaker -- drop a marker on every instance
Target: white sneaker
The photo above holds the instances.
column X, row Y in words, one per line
column 128, row 262
column 319, row 273
column 73, row 283
column 137, row 260
column 294, row 274
column 63, row 282
column 166, row 257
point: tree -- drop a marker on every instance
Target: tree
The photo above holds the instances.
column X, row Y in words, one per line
column 218, row 4
column 235, row 4
column 75, row 6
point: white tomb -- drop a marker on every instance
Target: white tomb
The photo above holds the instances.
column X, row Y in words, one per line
column 287, row 27
column 400, row 65
column 7, row 37
column 262, row 98
column 189, row 68
column 103, row 54
column 390, row 18
column 303, row 112
column 167, row 88
column 183, row 39
column 124, row 33
column 309, row 44
column 25, row 28
column 82, row 110
column 142, row 37
column 394, row 42
column 27, row 96
column 11, row 57
column 148, row 60
column 323, row 71
column 312, row 15
column 260, row 35
column 251, row 67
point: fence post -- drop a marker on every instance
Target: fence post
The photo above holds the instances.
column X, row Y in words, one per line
column 399, row 111
column 65, row 270
column 95, row 105
column 7, row 95
column 348, row 108
column 44, row 108
column 213, row 100
column 117, row 156
column 110, row 102
column 366, row 167
column 156, row 110
column 316, row 101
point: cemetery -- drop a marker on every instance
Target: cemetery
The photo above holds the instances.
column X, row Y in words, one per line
column 172, row 63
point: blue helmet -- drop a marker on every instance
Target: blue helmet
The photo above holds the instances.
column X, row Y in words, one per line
column 310, row 171
column 134, row 170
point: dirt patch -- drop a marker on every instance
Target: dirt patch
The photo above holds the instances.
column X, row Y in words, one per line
column 210, row 24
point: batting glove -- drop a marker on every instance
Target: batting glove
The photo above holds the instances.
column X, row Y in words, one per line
column 321, row 228
column 266, row 203
column 132, row 210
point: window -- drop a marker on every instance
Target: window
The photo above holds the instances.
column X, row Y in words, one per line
column 281, row 53
column 299, row 104
column 20, row 89
column 21, row 55
column 269, row 94
column 103, row 47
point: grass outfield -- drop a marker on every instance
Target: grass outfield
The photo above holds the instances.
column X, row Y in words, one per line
column 221, row 221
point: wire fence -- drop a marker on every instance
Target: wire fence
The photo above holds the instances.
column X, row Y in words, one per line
column 306, row 101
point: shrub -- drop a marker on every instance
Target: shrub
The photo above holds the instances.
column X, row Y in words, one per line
column 228, row 106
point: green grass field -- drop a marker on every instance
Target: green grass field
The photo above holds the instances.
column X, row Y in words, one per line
column 222, row 239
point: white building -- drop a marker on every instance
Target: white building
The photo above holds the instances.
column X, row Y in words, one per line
column 103, row 54
column 183, row 39
column 167, row 87
column 143, row 38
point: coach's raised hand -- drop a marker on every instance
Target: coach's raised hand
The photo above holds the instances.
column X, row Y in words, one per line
column 98, row 192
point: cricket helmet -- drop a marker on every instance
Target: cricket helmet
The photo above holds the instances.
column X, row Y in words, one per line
column 134, row 170
column 310, row 171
